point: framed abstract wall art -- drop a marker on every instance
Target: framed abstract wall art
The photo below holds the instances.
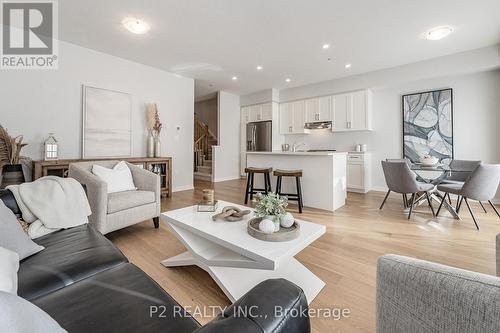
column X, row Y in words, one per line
column 428, row 125
column 106, row 123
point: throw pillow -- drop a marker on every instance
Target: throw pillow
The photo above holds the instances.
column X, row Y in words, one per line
column 119, row 178
column 12, row 236
column 17, row 315
column 9, row 265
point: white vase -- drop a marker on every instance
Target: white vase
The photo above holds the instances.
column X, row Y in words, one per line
column 151, row 146
column 157, row 147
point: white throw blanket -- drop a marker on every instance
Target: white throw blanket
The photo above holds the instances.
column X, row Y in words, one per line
column 51, row 203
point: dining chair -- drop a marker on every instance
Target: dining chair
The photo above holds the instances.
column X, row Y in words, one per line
column 401, row 179
column 482, row 185
column 407, row 161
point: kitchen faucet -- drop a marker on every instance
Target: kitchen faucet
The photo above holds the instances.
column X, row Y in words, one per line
column 296, row 145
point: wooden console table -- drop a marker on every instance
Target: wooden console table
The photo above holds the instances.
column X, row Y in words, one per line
column 159, row 165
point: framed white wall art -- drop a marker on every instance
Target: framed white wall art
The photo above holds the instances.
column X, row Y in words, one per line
column 106, row 123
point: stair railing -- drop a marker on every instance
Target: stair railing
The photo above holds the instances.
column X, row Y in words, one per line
column 201, row 141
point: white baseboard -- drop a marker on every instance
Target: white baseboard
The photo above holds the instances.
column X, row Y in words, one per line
column 182, row 188
column 226, row 179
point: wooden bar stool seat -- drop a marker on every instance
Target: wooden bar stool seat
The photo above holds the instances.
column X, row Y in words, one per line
column 291, row 196
column 250, row 189
column 287, row 173
column 258, row 170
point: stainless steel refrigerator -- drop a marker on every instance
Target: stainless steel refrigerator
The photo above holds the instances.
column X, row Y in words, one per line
column 259, row 136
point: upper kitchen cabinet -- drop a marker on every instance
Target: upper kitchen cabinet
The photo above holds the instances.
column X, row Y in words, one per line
column 292, row 118
column 245, row 114
column 318, row 109
column 259, row 112
column 352, row 111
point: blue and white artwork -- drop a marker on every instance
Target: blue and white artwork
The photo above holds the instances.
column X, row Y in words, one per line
column 428, row 125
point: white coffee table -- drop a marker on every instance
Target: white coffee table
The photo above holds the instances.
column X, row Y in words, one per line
column 234, row 259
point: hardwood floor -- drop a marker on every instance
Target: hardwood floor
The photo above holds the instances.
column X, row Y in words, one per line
column 345, row 257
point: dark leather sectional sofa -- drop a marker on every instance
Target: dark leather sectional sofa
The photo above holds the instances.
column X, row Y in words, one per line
column 87, row 285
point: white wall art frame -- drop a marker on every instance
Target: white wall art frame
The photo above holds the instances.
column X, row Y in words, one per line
column 107, row 123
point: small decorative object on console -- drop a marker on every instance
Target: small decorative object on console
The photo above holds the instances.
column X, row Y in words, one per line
column 231, row 214
column 51, row 148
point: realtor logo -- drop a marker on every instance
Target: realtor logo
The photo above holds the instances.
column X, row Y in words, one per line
column 29, row 34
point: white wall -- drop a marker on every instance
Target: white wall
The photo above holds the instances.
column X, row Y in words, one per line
column 34, row 103
column 226, row 156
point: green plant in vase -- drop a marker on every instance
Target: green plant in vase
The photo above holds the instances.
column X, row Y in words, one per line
column 271, row 206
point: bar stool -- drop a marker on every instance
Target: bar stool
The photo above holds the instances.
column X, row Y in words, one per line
column 250, row 178
column 291, row 196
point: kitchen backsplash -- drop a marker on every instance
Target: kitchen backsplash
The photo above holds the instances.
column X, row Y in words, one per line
column 325, row 139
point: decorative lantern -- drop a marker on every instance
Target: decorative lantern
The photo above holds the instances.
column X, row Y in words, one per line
column 51, row 148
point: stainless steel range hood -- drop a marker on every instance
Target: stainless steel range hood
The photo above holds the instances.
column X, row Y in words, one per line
column 318, row 125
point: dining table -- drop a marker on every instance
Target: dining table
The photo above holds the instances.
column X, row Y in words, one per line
column 435, row 174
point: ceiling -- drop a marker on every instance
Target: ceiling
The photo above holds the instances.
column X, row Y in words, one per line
column 213, row 40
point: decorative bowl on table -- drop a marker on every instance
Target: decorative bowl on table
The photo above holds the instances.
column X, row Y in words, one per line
column 282, row 235
column 428, row 160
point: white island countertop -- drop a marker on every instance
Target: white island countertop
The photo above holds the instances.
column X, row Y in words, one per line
column 305, row 153
column 323, row 175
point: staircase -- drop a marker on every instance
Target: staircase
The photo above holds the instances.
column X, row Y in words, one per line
column 204, row 139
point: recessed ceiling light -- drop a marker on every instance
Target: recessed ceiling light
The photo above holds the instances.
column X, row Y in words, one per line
column 136, row 26
column 438, row 33
column 288, row 80
column 326, row 46
column 259, row 68
column 347, row 66
column 234, row 78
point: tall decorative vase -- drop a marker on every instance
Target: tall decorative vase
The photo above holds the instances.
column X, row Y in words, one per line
column 157, row 147
column 151, row 145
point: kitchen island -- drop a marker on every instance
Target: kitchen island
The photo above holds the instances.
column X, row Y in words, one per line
column 323, row 175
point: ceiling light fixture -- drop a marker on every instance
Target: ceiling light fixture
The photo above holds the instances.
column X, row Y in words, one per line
column 347, row 66
column 135, row 26
column 287, row 80
column 438, row 33
column 234, row 78
column 326, row 46
column 259, row 68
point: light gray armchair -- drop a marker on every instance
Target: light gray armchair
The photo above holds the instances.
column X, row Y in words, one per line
column 417, row 296
column 118, row 210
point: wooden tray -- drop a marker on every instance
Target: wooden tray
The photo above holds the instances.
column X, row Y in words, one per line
column 283, row 235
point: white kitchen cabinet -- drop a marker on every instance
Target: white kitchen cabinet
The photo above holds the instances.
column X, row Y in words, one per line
column 358, row 172
column 292, row 118
column 299, row 117
column 245, row 114
column 267, row 112
column 258, row 112
column 359, row 113
column 318, row 109
column 351, row 111
column 286, row 124
column 341, row 105
column 255, row 113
